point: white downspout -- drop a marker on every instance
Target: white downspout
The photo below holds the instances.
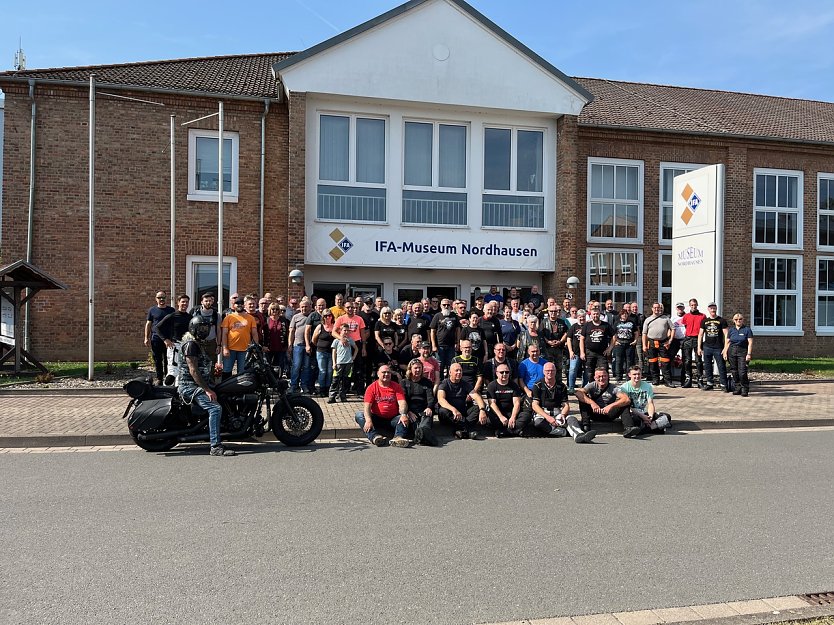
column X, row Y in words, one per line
column 261, row 224
column 30, row 226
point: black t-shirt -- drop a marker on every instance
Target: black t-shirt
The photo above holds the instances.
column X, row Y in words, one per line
column 573, row 336
column 536, row 299
column 402, row 333
column 446, row 328
column 418, row 325
column 603, row 396
column 471, row 369
column 597, row 337
column 456, row 394
column 713, row 332
column 491, row 331
column 637, row 320
column 157, row 314
column 625, row 331
column 369, row 324
column 173, row 326
column 476, row 337
column 551, row 399
column 406, row 354
column 383, row 358
column 418, row 395
column 387, row 331
column 489, row 369
column 503, row 396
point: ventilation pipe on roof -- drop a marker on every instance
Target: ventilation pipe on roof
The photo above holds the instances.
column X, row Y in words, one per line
column 261, row 224
column 30, row 226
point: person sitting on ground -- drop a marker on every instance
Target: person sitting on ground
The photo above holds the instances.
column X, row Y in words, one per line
column 642, row 417
column 419, row 396
column 384, row 407
column 431, row 368
column 505, row 403
column 550, row 409
column 600, row 400
column 459, row 404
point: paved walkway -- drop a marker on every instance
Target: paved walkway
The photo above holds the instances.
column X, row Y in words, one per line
column 40, row 419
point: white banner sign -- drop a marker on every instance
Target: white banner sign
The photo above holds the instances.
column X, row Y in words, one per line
column 6, row 317
column 369, row 246
column 697, row 237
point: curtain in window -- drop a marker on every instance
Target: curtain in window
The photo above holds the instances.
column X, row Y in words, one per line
column 370, row 150
column 497, row 146
column 418, row 153
column 530, row 161
column 452, row 156
column 334, row 148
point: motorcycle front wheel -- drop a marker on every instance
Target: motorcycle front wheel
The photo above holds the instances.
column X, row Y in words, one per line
column 299, row 426
column 153, row 445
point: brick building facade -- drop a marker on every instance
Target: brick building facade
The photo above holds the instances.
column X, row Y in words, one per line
column 639, row 131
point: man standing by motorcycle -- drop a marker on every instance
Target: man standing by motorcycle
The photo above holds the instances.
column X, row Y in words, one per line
column 193, row 380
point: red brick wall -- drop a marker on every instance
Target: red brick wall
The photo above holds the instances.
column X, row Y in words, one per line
column 132, row 209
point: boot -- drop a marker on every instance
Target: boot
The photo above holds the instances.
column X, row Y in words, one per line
column 687, row 382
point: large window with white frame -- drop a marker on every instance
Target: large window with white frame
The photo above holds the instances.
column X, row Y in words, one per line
column 201, row 277
column 514, row 169
column 777, row 199
column 664, row 281
column 615, row 274
column 203, row 161
column 434, row 173
column 825, row 295
column 777, row 293
column 668, row 173
column 615, row 200
column 825, row 212
column 351, row 168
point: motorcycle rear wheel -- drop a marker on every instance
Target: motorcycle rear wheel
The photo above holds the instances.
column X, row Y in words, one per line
column 153, row 445
column 302, row 426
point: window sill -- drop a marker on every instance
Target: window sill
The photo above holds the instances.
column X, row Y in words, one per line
column 356, row 222
column 775, row 247
column 212, row 197
column 775, row 332
column 514, row 228
column 405, row 224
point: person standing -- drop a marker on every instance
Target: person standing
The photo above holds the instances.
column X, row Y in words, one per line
column 657, row 338
column 279, row 330
column 678, row 336
column 359, row 333
column 444, row 330
column 156, row 314
column 689, row 351
column 712, row 339
column 739, row 351
column 624, row 347
column 238, row 330
column 344, row 350
column 596, row 342
column 300, row 356
column 576, row 366
column 554, row 331
column 322, row 341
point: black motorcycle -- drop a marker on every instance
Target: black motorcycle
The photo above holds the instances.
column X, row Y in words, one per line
column 158, row 418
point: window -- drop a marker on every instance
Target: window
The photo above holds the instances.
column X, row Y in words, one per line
column 777, row 288
column 513, row 178
column 614, row 274
column 668, row 173
column 825, row 295
column 778, row 208
column 434, row 162
column 825, row 211
column 202, row 165
column 351, row 175
column 664, row 281
column 201, row 276
column 615, row 200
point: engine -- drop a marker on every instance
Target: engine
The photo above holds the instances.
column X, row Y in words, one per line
column 240, row 408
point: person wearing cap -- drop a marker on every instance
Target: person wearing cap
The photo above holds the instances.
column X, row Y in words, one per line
column 712, row 338
column 431, row 367
column 657, row 335
column 739, row 351
column 238, row 330
column 689, row 350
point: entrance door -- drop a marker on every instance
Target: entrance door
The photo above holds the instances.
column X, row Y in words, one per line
column 410, row 292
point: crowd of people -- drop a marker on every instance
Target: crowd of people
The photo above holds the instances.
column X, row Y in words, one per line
column 492, row 365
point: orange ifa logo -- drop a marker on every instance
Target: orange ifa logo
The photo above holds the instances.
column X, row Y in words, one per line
column 692, row 203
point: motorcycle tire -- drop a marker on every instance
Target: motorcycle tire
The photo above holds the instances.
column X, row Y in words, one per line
column 153, row 445
column 302, row 426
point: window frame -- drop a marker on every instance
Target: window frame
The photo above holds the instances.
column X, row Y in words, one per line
column 435, row 155
column 190, row 261
column 821, row 330
column 795, row 330
column 661, row 204
column 639, row 203
column 663, row 290
column 798, row 211
column 606, row 270
column 198, row 195
column 830, row 212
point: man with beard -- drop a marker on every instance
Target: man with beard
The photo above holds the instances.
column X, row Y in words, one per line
column 505, row 403
column 596, row 342
column 550, row 409
column 490, row 326
column 419, row 322
column 554, row 331
column 689, row 351
column 444, row 330
column 460, row 404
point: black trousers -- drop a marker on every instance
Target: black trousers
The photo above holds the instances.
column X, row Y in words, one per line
column 738, row 365
column 160, row 357
column 689, row 354
column 594, row 360
column 470, row 418
column 589, row 415
column 521, row 422
column 658, row 358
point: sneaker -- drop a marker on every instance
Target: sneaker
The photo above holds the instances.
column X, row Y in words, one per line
column 744, row 391
column 557, row 431
column 332, row 400
column 460, row 434
column 380, row 441
column 707, row 387
column 399, row 441
column 586, row 437
column 219, row 450
column 475, row 436
column 571, row 391
column 737, row 391
column 631, row 432
column 502, row 434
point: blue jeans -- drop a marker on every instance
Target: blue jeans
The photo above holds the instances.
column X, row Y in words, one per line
column 381, row 422
column 325, row 370
column 577, row 365
column 300, row 368
column 230, row 360
column 444, row 357
column 187, row 392
column 710, row 354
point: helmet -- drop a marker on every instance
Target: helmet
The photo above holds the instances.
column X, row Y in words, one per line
column 199, row 327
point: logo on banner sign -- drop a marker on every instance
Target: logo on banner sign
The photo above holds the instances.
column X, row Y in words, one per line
column 343, row 244
column 692, row 204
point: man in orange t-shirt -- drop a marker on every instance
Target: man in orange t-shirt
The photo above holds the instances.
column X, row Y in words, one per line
column 238, row 329
column 359, row 333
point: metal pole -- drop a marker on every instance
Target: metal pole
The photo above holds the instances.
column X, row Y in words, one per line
column 220, row 208
column 173, row 215
column 30, row 226
column 91, row 271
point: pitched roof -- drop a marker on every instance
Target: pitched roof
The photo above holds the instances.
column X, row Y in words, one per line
column 242, row 75
column 666, row 108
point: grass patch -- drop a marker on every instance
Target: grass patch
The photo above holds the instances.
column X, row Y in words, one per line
column 817, row 367
column 67, row 369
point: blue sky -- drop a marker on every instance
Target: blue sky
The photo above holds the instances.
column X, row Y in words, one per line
column 759, row 46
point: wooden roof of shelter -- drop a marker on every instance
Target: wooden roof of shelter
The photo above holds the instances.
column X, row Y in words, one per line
column 23, row 274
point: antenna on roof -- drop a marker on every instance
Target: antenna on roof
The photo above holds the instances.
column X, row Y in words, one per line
column 19, row 57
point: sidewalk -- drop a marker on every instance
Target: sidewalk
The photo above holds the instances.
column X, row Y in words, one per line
column 33, row 418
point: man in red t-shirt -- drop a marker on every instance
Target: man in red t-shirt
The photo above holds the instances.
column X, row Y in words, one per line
column 692, row 321
column 385, row 406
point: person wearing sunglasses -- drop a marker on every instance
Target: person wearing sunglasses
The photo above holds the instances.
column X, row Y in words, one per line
column 157, row 313
column 738, row 351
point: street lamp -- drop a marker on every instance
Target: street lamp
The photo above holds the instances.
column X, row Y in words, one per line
column 573, row 284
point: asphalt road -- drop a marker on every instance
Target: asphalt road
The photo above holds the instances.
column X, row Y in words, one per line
column 476, row 531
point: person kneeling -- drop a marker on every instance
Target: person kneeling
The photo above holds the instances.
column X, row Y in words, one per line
column 643, row 417
column 384, row 407
column 551, row 409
